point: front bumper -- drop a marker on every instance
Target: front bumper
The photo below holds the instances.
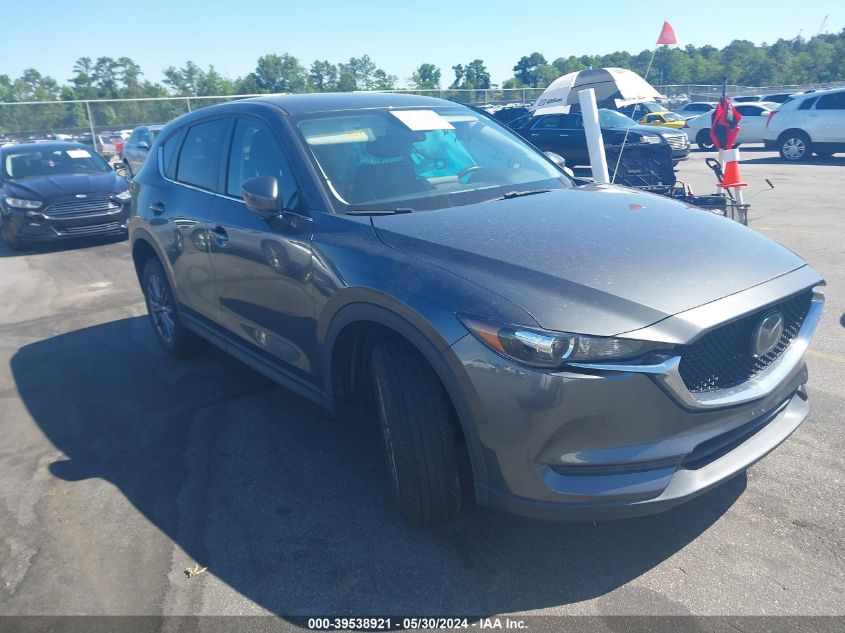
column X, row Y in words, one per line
column 651, row 491
column 36, row 227
column 595, row 443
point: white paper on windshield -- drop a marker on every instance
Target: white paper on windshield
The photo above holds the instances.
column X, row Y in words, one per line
column 422, row 120
column 78, row 153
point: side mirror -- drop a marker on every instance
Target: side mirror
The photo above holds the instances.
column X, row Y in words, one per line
column 557, row 159
column 262, row 195
column 143, row 145
column 120, row 169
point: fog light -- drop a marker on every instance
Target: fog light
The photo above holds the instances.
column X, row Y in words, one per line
column 34, row 214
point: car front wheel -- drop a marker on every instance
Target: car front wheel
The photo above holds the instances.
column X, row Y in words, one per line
column 174, row 337
column 795, row 146
column 705, row 143
column 9, row 236
column 420, row 433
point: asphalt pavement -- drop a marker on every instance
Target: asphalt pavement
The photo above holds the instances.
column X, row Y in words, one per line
column 121, row 468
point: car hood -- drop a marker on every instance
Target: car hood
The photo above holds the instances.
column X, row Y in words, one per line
column 49, row 188
column 598, row 260
column 647, row 129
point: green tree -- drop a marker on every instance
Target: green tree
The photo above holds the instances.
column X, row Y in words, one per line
column 323, row 76
column 525, row 70
column 280, row 73
column 426, row 77
column 473, row 76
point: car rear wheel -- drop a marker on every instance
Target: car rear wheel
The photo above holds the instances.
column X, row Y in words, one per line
column 795, row 146
column 703, row 140
column 12, row 240
column 174, row 337
column 419, row 430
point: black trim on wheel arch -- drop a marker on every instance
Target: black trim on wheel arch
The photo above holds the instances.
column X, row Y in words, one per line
column 440, row 358
column 142, row 235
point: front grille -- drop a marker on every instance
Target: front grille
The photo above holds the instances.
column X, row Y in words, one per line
column 81, row 208
column 91, row 229
column 722, row 359
column 677, row 142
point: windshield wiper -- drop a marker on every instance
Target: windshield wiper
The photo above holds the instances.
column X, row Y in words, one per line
column 519, row 194
column 380, row 211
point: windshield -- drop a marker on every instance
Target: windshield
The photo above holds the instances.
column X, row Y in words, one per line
column 671, row 116
column 613, row 119
column 52, row 162
column 421, row 159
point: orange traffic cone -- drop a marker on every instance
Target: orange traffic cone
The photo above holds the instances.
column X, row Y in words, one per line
column 730, row 163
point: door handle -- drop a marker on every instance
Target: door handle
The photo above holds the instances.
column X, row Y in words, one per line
column 157, row 208
column 220, row 235
column 564, row 135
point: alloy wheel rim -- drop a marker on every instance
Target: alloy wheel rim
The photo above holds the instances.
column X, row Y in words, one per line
column 794, row 148
column 161, row 309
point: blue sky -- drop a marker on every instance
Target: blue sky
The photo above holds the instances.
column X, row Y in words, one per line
column 399, row 35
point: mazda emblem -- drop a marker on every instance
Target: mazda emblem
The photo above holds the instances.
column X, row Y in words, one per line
column 767, row 334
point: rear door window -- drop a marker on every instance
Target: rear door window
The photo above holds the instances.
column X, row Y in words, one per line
column 199, row 160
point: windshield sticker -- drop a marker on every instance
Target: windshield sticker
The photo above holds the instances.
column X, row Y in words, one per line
column 422, row 120
column 78, row 153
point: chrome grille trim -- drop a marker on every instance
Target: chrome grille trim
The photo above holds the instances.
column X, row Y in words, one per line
column 81, row 208
column 666, row 374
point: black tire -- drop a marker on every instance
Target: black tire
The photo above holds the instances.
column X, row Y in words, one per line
column 420, row 433
column 12, row 241
column 172, row 335
column 795, row 146
column 703, row 140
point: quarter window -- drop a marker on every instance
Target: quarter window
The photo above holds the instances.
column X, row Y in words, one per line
column 169, row 150
column 199, row 159
column 832, row 102
column 807, row 103
column 255, row 152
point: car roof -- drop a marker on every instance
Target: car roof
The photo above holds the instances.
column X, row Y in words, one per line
column 763, row 104
column 154, row 128
column 53, row 145
column 332, row 101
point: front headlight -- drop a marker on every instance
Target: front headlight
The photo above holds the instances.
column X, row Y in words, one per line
column 124, row 195
column 543, row 348
column 23, row 203
column 650, row 139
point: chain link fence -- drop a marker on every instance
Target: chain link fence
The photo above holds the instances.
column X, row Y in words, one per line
column 21, row 121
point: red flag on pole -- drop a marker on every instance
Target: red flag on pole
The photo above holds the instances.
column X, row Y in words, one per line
column 667, row 35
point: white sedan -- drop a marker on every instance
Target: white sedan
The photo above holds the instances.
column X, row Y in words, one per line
column 752, row 127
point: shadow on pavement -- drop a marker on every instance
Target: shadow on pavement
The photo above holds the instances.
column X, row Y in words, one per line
column 815, row 161
column 59, row 246
column 291, row 508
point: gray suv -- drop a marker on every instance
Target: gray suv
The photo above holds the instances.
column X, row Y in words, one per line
column 552, row 350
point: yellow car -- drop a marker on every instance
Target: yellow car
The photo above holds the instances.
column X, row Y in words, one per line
column 663, row 119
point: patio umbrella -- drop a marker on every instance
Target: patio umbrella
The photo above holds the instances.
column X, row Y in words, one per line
column 615, row 87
